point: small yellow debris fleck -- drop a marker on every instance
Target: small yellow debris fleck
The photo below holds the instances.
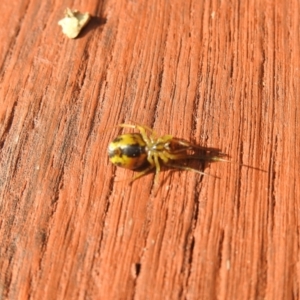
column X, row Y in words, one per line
column 73, row 22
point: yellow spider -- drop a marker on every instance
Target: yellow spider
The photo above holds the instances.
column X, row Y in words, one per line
column 145, row 152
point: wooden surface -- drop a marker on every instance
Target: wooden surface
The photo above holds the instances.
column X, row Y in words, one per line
column 221, row 73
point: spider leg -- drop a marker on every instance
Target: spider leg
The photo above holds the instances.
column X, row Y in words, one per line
column 142, row 129
column 189, row 145
column 167, row 159
column 154, row 164
column 181, row 167
column 164, row 139
column 205, row 157
column 157, row 167
column 140, row 174
column 180, row 151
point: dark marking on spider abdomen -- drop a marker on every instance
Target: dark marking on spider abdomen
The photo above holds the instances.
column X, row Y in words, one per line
column 128, row 151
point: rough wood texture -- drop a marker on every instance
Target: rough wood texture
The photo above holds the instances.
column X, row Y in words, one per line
column 222, row 73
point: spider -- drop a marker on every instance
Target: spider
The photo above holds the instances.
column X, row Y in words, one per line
column 144, row 152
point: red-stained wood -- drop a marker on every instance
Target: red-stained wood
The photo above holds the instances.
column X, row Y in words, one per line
column 222, row 74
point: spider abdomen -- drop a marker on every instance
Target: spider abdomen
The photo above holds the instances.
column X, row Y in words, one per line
column 128, row 151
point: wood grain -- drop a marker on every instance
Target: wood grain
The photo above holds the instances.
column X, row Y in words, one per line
column 223, row 74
